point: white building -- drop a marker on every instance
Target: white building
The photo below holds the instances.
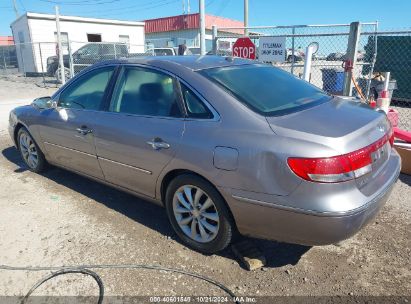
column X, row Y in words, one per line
column 35, row 36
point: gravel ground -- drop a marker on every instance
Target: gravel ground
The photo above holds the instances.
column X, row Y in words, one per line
column 59, row 218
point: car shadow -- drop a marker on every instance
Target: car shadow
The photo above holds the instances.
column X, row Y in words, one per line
column 406, row 179
column 151, row 215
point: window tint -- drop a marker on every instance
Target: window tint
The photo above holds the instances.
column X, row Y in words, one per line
column 195, row 107
column 267, row 90
column 88, row 91
column 145, row 92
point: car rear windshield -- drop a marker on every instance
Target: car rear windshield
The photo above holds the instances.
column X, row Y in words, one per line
column 267, row 90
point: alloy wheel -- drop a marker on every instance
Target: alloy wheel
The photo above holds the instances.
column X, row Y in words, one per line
column 196, row 213
column 28, row 150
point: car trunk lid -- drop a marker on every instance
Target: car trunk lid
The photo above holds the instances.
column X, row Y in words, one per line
column 344, row 126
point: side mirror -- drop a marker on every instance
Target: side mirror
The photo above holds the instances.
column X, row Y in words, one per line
column 42, row 102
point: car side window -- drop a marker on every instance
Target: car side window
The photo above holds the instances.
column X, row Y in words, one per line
column 145, row 92
column 195, row 107
column 87, row 92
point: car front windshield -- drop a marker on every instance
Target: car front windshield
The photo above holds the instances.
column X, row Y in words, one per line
column 267, row 90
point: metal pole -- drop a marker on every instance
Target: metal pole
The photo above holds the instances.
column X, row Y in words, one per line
column 71, row 65
column 352, row 48
column 202, row 27
column 307, row 65
column 60, row 54
column 188, row 6
column 16, row 11
column 215, row 33
column 292, row 50
column 246, row 17
column 42, row 65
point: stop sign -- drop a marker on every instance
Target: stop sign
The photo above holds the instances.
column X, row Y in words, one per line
column 244, row 48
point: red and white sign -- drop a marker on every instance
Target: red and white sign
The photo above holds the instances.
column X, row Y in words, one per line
column 244, row 48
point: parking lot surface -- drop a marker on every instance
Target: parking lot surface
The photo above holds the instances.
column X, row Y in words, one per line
column 59, row 218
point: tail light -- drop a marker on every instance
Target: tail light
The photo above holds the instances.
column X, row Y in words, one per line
column 339, row 168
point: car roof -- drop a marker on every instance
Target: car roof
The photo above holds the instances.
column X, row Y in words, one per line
column 194, row 62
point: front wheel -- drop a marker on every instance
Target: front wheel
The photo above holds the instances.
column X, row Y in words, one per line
column 30, row 152
column 198, row 214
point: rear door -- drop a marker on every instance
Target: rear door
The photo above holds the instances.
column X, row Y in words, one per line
column 68, row 130
column 141, row 132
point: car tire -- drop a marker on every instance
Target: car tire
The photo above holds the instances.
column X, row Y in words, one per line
column 67, row 75
column 30, row 152
column 213, row 225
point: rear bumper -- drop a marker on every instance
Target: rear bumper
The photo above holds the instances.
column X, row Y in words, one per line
column 268, row 220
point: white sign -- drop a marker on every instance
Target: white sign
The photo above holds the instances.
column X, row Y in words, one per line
column 272, row 49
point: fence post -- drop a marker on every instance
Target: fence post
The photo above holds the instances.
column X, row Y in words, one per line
column 42, row 65
column 71, row 65
column 352, row 50
column 215, row 33
column 4, row 61
column 292, row 50
column 60, row 48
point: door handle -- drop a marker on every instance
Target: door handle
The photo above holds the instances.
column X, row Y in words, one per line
column 158, row 143
column 83, row 130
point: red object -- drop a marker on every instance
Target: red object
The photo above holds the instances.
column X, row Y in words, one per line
column 339, row 168
column 402, row 134
column 190, row 21
column 347, row 65
column 393, row 117
column 244, row 48
column 373, row 103
column 384, row 94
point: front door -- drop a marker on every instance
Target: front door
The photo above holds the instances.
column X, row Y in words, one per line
column 68, row 130
column 141, row 132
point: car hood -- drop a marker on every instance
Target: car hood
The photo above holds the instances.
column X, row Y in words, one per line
column 341, row 124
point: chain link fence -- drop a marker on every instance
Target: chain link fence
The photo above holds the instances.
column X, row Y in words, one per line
column 39, row 62
column 376, row 52
column 327, row 66
column 393, row 55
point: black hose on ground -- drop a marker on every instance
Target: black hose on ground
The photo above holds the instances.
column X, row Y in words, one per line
column 94, row 275
column 84, row 269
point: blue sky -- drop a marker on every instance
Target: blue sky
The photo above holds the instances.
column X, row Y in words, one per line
column 393, row 14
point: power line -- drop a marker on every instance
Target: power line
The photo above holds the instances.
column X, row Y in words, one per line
column 138, row 9
column 78, row 3
column 127, row 9
column 22, row 5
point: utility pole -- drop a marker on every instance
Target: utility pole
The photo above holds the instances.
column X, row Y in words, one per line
column 202, row 27
column 246, row 17
column 16, row 11
column 60, row 49
column 188, row 6
column 184, row 7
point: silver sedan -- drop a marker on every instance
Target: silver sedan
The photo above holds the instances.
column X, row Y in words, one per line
column 225, row 145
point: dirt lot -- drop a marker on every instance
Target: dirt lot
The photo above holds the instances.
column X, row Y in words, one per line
column 59, row 218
